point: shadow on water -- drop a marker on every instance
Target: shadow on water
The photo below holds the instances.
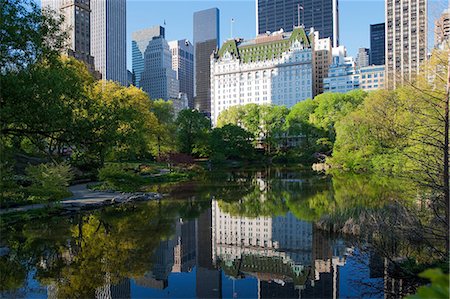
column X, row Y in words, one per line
column 270, row 233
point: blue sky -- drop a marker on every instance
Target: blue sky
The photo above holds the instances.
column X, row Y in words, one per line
column 355, row 18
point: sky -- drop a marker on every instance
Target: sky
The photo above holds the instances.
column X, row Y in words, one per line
column 355, row 19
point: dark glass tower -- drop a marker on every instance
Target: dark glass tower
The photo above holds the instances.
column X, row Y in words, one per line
column 206, row 40
column 323, row 15
column 377, row 44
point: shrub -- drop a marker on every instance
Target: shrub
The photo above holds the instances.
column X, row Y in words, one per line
column 49, row 181
column 116, row 177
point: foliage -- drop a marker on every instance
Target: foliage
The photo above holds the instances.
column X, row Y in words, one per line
column 231, row 142
column 164, row 129
column 117, row 177
column 27, row 35
column 193, row 130
column 439, row 287
column 50, row 181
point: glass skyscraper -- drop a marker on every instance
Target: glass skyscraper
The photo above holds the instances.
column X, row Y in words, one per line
column 323, row 15
column 377, row 44
column 109, row 39
column 139, row 43
column 206, row 40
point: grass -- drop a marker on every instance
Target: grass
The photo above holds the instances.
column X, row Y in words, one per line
column 132, row 177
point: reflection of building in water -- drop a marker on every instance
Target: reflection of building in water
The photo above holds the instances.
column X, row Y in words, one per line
column 279, row 248
column 328, row 256
column 209, row 279
column 163, row 260
column 184, row 252
column 121, row 290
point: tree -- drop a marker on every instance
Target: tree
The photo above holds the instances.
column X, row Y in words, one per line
column 164, row 131
column 118, row 120
column 41, row 103
column 28, row 35
column 193, row 129
column 231, row 141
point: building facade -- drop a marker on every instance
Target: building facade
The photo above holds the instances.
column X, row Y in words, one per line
column 362, row 58
column 274, row 69
column 377, row 44
column 322, row 57
column 183, row 64
column 77, row 23
column 323, row 15
column 371, row 77
column 139, row 43
column 406, row 39
column 442, row 30
column 206, row 40
column 344, row 75
column 109, row 39
column 158, row 79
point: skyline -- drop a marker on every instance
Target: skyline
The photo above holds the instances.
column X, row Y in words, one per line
column 354, row 26
column 179, row 19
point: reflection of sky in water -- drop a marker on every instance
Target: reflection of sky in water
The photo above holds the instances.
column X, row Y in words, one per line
column 180, row 285
column 183, row 285
column 355, row 281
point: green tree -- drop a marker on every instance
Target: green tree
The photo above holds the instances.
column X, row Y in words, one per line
column 164, row 131
column 118, row 121
column 193, row 130
column 232, row 142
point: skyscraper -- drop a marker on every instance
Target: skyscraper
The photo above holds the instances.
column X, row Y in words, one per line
column 108, row 39
column 323, row 15
column 139, row 43
column 77, row 22
column 206, row 40
column 362, row 58
column 406, row 39
column 158, row 79
column 442, row 30
column 377, row 44
column 183, row 65
column 322, row 59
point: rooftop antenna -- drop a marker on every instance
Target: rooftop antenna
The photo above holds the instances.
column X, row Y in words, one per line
column 232, row 21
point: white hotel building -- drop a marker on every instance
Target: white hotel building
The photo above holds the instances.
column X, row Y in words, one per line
column 273, row 69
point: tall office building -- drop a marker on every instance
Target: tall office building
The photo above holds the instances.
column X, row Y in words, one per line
column 322, row 58
column 109, row 39
column 406, row 39
column 139, row 43
column 362, row 58
column 206, row 40
column 183, row 65
column 442, row 30
column 77, row 23
column 377, row 44
column 158, row 79
column 323, row 15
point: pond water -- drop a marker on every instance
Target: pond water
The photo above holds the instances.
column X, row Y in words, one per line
column 263, row 233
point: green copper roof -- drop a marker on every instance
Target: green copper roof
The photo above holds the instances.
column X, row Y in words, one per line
column 259, row 51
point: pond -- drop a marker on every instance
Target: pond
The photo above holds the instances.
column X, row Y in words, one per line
column 263, row 233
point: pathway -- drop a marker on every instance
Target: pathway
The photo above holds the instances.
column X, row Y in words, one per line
column 81, row 196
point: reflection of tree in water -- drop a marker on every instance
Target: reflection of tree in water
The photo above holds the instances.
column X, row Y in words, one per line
column 75, row 255
column 382, row 212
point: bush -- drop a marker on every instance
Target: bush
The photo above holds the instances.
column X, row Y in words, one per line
column 116, row 177
column 49, row 181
